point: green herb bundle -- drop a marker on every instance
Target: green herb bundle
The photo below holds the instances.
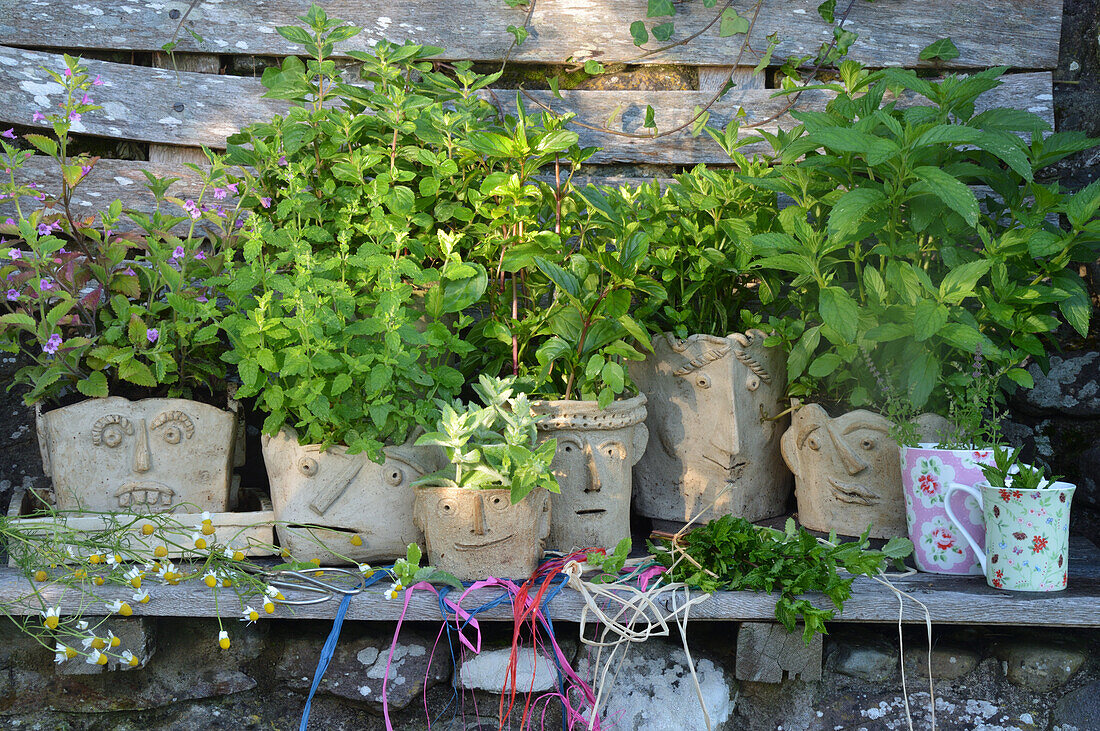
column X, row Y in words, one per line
column 732, row 554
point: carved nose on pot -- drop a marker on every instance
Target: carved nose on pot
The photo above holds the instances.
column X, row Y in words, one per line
column 141, row 449
column 852, row 462
column 595, row 481
column 479, row 526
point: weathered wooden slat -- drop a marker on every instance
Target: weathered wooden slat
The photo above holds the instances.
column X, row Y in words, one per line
column 950, row 600
column 203, row 63
column 1019, row 33
column 184, row 108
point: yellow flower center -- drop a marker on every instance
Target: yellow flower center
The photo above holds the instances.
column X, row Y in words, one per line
column 136, row 582
column 200, row 543
column 40, row 576
column 51, row 622
column 224, row 643
column 70, row 653
column 160, row 551
column 115, row 642
column 211, row 581
column 207, row 529
column 126, row 611
column 238, row 555
column 133, row 662
column 253, row 615
column 94, row 558
column 268, row 607
column 227, row 583
column 98, row 581
column 147, row 529
column 102, row 660
column 98, row 643
column 356, row 541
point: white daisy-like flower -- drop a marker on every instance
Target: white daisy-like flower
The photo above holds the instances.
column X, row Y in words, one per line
column 61, row 653
column 249, row 615
column 51, row 617
column 134, row 577
column 82, row 625
column 96, row 658
column 141, row 596
column 129, row 658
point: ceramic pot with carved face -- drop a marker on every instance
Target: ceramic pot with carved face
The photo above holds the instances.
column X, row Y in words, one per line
column 149, row 456
column 596, row 453
column 714, row 436
column 477, row 534
column 338, row 506
column 847, row 470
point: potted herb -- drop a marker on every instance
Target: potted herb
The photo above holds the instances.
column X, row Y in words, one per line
column 348, row 304
column 713, row 394
column 126, row 322
column 487, row 512
column 1026, row 520
column 886, row 249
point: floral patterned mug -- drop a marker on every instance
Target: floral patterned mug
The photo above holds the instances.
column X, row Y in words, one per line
column 1026, row 534
column 926, row 471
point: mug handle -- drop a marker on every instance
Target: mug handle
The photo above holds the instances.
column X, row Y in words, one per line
column 977, row 495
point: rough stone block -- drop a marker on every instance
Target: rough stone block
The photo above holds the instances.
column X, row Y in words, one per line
column 767, row 653
column 949, row 660
column 136, row 634
column 358, row 666
column 1039, row 664
column 488, row 671
column 871, row 659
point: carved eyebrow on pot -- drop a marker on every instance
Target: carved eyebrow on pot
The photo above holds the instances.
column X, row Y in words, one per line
column 177, row 417
column 806, row 432
column 864, row 425
column 105, row 421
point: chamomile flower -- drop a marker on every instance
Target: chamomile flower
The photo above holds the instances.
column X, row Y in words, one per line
column 141, row 597
column 134, row 577
column 365, row 569
column 51, row 617
column 206, row 527
column 82, row 625
column 394, row 590
column 147, row 529
column 61, row 653
column 274, row 593
column 94, row 643
column 129, row 658
column 113, row 559
column 96, row 658
column 95, row 558
column 120, row 607
column 210, row 579
column 160, row 551
column 223, row 640
column 199, row 541
column 249, row 615
column 112, row 641
column 269, row 606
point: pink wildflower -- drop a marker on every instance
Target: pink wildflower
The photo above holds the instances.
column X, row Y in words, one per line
column 265, row 202
column 219, row 194
column 68, row 72
column 45, row 285
column 200, row 256
column 9, row 133
column 38, row 117
column 13, row 295
column 74, row 116
column 152, row 334
column 98, row 81
column 52, row 344
column 15, row 254
column 178, row 253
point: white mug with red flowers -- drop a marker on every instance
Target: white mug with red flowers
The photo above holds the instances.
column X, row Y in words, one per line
column 1026, row 534
column 926, row 471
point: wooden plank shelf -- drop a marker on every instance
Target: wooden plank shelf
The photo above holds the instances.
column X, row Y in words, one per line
column 1019, row 33
column 166, row 107
column 950, row 600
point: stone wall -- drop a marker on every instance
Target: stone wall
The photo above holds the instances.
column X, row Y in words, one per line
column 984, row 678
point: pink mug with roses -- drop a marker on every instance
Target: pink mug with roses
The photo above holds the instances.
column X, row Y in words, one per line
column 926, row 473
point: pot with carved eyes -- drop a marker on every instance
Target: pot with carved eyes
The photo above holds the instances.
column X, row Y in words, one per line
column 342, row 507
column 596, row 453
column 153, row 455
column 714, row 429
column 475, row 534
column 847, row 470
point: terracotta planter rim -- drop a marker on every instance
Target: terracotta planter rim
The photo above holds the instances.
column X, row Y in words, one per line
column 571, row 414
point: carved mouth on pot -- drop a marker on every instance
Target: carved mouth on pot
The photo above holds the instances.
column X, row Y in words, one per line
column 846, row 492
column 591, row 511
column 478, row 546
column 148, row 495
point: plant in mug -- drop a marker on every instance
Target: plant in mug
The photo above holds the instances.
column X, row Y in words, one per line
column 887, row 247
column 1007, row 471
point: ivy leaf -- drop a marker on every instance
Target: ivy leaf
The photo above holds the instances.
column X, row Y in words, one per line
column 826, row 10
column 639, row 33
column 732, row 24
column 519, row 32
column 659, row 8
column 943, row 50
column 663, row 31
column 592, row 67
column 649, row 122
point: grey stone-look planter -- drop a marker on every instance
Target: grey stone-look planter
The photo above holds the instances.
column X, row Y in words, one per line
column 848, row 471
column 714, row 439
column 149, row 456
column 339, row 507
column 596, row 453
column 477, row 534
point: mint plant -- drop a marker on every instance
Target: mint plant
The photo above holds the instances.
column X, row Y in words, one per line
column 491, row 446
column 1007, row 471
column 101, row 312
column 888, row 249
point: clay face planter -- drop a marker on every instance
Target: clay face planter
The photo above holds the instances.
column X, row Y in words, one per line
column 1026, row 546
column 342, row 497
column 926, row 473
column 847, row 471
column 148, row 456
column 596, row 452
column 712, row 442
column 476, row 534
